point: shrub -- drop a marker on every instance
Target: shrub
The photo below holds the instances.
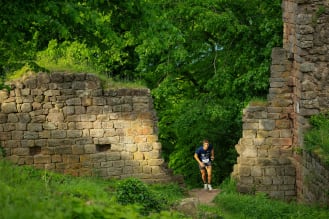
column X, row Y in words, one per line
column 2, row 152
column 133, row 191
column 317, row 139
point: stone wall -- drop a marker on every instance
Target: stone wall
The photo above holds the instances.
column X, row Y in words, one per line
column 69, row 124
column 265, row 149
column 299, row 88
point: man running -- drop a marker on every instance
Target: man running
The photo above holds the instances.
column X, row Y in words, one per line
column 204, row 155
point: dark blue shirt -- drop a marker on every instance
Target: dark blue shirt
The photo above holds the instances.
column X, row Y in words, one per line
column 204, row 155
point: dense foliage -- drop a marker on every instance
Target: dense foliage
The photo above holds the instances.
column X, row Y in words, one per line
column 316, row 138
column 202, row 60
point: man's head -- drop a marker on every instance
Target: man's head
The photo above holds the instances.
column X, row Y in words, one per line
column 205, row 144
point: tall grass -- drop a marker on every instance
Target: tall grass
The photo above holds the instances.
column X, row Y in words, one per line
column 317, row 138
column 29, row 193
column 235, row 205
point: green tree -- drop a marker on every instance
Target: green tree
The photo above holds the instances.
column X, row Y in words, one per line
column 206, row 60
column 203, row 60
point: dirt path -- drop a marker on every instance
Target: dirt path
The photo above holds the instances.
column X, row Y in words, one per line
column 204, row 196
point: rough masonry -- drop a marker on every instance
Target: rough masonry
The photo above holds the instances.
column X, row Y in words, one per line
column 69, row 124
column 299, row 88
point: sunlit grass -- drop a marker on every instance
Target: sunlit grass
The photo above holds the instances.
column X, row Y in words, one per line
column 29, row 193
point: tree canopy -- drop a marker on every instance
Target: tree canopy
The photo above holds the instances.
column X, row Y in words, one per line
column 202, row 60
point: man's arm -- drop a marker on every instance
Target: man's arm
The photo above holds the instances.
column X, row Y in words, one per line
column 212, row 154
column 196, row 157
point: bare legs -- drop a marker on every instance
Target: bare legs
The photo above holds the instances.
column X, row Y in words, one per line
column 204, row 172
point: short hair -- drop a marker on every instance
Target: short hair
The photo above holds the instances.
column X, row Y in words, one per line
column 205, row 141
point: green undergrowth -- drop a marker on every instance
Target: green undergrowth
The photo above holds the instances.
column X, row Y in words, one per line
column 29, row 193
column 317, row 138
column 238, row 206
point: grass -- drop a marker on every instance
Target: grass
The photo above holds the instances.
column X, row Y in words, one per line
column 29, row 193
column 106, row 81
column 316, row 138
column 237, row 206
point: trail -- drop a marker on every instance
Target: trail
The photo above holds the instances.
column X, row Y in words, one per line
column 204, row 196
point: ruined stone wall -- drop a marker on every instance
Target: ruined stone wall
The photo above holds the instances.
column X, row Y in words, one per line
column 69, row 124
column 265, row 149
column 309, row 43
column 299, row 88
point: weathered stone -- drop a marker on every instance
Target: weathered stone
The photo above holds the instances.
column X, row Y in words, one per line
column 9, row 107
column 26, row 107
column 71, row 130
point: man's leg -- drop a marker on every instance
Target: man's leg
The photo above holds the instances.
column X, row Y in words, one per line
column 203, row 175
column 209, row 169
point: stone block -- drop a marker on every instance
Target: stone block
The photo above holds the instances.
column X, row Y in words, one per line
column 56, row 158
column 26, row 108
column 55, row 117
column 84, row 125
column 126, row 155
column 262, row 152
column 256, row 171
column 41, row 142
column 155, row 162
column 147, row 169
column 51, row 93
column 289, row 180
column 118, row 163
column 278, row 180
column 78, row 149
column 8, row 117
column 94, row 110
column 244, row 170
column 79, row 110
column 114, row 172
column 250, row 126
column 96, row 133
column 144, row 147
column 249, row 133
column 42, row 159
column 31, row 135
column 21, row 151
column 107, row 164
column 134, row 163
column 74, row 133
column 250, row 152
column 266, row 125
column 68, row 110
column 281, row 141
column 128, row 170
column 98, row 101
column 113, row 156
column 76, row 101
column 58, row 134
column 89, row 148
column 139, row 156
column 70, row 158
column 246, row 180
column 131, row 147
column 9, row 107
column 34, row 127
column 110, row 132
column 63, row 150
column 9, row 127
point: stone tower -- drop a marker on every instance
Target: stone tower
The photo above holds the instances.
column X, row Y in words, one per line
column 299, row 88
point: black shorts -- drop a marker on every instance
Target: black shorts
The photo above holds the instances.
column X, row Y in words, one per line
column 205, row 165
